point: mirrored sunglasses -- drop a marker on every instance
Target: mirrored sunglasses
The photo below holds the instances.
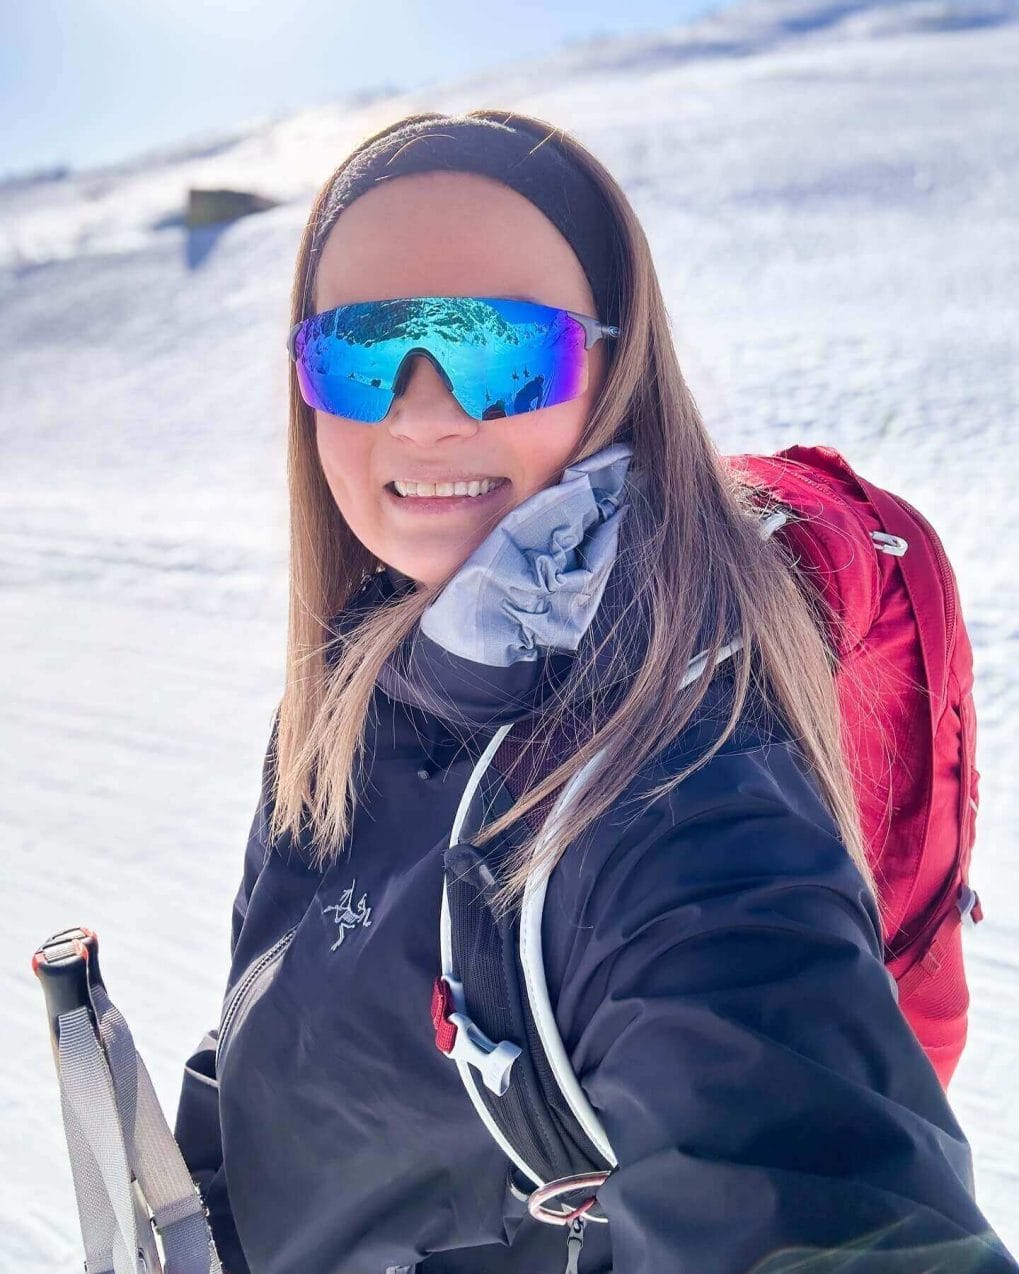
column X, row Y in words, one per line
column 497, row 356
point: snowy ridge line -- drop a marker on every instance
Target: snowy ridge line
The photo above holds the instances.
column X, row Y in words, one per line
column 762, row 26
column 63, row 213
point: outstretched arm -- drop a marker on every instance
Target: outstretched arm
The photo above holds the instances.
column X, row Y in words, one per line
column 740, row 1038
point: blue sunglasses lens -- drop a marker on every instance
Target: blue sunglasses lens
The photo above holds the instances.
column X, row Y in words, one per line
column 499, row 357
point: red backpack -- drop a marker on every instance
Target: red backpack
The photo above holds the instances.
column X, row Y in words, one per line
column 905, row 659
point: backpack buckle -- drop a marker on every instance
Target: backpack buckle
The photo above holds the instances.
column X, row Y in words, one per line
column 968, row 903
column 461, row 1039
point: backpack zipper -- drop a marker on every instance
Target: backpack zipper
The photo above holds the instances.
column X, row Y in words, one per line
column 948, row 898
column 834, row 496
column 949, row 895
column 804, row 473
column 264, row 964
column 944, row 570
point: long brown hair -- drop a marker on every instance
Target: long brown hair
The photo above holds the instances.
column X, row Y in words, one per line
column 693, row 535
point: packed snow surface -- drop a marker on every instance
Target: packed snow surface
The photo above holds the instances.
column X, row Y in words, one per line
column 830, row 191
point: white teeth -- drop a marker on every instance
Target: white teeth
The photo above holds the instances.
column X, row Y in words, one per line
column 432, row 489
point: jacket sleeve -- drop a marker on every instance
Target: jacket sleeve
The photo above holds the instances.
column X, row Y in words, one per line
column 740, row 1038
column 197, row 1127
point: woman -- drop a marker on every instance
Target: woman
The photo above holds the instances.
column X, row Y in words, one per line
column 711, row 928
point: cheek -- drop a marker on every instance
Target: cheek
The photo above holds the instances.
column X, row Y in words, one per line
column 543, row 443
column 344, row 450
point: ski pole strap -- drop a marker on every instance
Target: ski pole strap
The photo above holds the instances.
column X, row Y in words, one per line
column 128, row 1172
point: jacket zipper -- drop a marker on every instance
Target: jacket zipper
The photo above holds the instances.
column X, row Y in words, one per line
column 240, row 994
column 574, row 1242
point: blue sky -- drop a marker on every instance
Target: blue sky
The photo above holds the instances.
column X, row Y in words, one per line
column 86, row 82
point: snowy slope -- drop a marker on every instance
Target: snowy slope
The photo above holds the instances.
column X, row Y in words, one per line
column 830, row 192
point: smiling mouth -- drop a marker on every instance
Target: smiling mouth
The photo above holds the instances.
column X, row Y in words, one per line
column 471, row 489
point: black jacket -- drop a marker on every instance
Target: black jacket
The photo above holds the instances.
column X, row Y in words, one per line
column 715, row 965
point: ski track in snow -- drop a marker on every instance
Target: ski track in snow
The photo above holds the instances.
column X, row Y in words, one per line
column 830, row 194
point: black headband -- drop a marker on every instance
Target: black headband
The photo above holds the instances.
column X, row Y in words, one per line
column 543, row 173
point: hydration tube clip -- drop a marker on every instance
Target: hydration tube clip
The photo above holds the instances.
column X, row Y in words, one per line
column 461, row 1039
column 889, row 543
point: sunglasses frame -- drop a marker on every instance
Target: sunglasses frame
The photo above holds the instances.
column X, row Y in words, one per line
column 594, row 328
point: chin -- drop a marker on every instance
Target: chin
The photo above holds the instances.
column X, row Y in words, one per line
column 429, row 574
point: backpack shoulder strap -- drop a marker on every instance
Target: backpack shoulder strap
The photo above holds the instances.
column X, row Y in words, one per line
column 491, row 1006
column 510, row 1057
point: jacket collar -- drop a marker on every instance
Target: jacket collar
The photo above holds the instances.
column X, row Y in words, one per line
column 499, row 639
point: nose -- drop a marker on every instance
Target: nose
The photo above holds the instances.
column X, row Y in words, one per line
column 424, row 410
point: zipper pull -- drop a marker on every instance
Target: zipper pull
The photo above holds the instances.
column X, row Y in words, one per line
column 574, row 1242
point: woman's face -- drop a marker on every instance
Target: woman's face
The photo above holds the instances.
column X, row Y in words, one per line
column 445, row 234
